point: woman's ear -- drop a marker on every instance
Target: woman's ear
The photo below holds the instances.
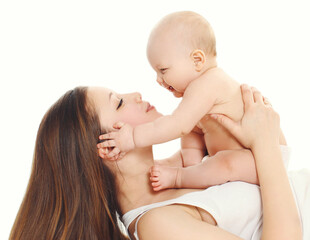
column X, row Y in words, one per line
column 199, row 59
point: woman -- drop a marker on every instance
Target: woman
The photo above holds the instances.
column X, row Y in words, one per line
column 73, row 194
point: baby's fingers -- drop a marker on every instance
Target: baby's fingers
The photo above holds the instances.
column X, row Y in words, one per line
column 108, row 143
column 102, row 152
column 113, row 153
column 109, row 135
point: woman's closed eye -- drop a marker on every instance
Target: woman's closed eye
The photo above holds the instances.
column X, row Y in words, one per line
column 120, row 104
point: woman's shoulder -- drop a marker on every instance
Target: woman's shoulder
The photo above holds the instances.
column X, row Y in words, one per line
column 152, row 221
column 180, row 222
column 159, row 222
column 157, row 216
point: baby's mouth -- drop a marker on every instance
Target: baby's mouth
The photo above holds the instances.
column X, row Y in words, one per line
column 171, row 89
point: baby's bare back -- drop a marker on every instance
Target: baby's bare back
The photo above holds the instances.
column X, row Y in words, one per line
column 229, row 102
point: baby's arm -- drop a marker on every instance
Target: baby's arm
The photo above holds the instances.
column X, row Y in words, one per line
column 198, row 99
column 225, row 166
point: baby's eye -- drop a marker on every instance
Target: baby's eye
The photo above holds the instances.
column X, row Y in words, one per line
column 163, row 70
column 120, row 104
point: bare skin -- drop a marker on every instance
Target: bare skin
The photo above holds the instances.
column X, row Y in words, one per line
column 163, row 177
column 225, row 166
column 180, row 222
column 259, row 130
column 191, row 73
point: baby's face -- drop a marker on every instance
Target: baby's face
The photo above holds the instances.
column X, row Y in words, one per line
column 170, row 58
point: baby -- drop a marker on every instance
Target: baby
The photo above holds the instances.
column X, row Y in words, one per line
column 181, row 49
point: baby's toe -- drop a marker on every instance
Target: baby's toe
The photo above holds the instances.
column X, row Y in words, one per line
column 156, row 184
column 154, row 179
column 155, row 173
column 158, row 188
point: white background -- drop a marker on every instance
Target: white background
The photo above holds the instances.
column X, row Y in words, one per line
column 49, row 47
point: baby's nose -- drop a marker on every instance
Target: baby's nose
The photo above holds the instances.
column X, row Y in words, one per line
column 164, row 84
column 138, row 97
column 159, row 80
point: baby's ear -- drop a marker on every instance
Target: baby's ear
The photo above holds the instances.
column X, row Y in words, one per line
column 199, row 58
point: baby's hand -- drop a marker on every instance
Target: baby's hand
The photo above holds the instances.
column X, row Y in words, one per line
column 121, row 141
column 103, row 153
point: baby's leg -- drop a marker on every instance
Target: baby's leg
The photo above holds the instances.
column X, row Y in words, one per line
column 191, row 157
column 225, row 166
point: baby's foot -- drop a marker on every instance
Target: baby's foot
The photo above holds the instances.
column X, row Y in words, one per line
column 163, row 177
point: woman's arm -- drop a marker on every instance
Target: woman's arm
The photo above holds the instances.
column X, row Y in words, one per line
column 259, row 130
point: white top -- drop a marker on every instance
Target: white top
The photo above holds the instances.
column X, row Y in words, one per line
column 236, row 206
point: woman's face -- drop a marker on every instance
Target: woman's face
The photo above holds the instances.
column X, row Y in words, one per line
column 129, row 108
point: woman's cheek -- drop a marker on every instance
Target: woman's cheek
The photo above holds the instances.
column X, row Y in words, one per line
column 132, row 117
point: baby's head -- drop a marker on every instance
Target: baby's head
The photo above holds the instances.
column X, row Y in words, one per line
column 180, row 48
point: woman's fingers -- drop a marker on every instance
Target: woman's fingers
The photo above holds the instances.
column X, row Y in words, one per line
column 251, row 95
column 258, row 98
column 230, row 125
column 266, row 102
column 254, row 119
column 247, row 95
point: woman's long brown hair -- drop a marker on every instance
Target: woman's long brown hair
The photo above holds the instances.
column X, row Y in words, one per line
column 71, row 194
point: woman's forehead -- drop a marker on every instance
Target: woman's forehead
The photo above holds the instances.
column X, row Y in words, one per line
column 99, row 94
column 99, row 90
column 101, row 100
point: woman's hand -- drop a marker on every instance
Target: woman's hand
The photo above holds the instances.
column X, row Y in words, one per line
column 259, row 130
column 260, row 123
